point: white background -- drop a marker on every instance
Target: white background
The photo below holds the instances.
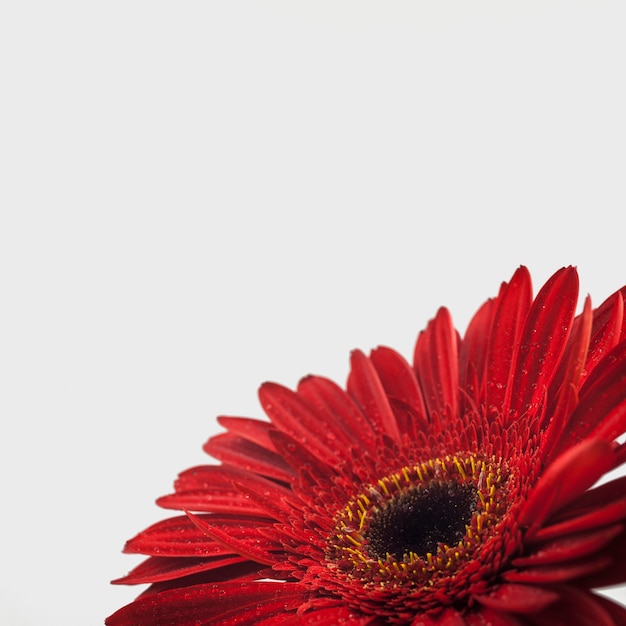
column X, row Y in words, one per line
column 200, row 196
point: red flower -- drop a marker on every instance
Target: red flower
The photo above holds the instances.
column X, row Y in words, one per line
column 455, row 492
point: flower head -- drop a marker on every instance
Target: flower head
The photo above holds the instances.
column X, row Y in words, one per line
column 458, row 491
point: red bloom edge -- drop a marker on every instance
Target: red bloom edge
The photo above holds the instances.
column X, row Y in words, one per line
column 459, row 490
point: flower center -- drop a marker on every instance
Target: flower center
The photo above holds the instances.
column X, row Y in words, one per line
column 421, row 522
column 421, row 518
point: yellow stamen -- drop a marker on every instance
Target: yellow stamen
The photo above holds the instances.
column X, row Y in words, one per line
column 459, row 468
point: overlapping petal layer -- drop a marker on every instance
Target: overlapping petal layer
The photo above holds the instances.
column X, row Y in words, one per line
column 456, row 491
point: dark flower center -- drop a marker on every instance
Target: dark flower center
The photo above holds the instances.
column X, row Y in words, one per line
column 418, row 520
column 423, row 521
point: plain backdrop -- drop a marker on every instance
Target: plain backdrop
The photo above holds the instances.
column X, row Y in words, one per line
column 197, row 197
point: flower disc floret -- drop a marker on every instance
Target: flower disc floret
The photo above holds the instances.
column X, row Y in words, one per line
column 419, row 526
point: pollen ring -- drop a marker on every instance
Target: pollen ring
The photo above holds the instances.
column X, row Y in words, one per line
column 420, row 522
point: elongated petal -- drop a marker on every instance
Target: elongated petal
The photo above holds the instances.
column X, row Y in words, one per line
column 253, row 430
column 248, row 456
column 337, row 407
column 602, row 516
column 543, row 340
column 601, row 411
column 607, row 331
column 270, row 501
column 571, row 474
column 512, row 308
column 570, row 547
column 190, row 606
column 615, row 572
column 437, row 366
column 250, row 613
column 400, row 383
column 211, row 488
column 473, row 351
column 617, row 613
column 291, row 414
column 199, row 500
column 596, row 498
column 252, row 545
column 567, row 380
column 246, row 571
column 179, row 536
column 576, row 608
column 331, row 615
column 563, row 572
column 489, row 617
column 365, row 387
column 299, row 456
column 447, row 617
column 572, row 365
column 157, row 569
column 518, row 598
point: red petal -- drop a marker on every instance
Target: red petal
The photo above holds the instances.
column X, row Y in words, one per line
column 436, row 362
column 518, row 598
column 400, row 383
column 205, row 501
column 448, row 617
column 249, row 614
column 513, row 303
column 252, row 545
column 607, row 329
column 567, row 477
column 209, row 478
column 157, row 569
column 211, row 488
column 489, row 617
column 334, row 405
column 365, row 387
column 473, row 350
column 568, row 377
column 577, row 608
column 620, row 455
column 190, row 606
column 291, row 414
column 615, row 572
column 570, row 547
column 562, row 572
column 576, row 351
column 597, row 379
column 543, row 340
column 328, row 616
column 596, row 498
column 269, row 501
column 601, row 411
column 609, row 514
column 299, row 457
column 248, row 456
column 247, row 571
column 251, row 429
column 178, row 536
column 617, row 612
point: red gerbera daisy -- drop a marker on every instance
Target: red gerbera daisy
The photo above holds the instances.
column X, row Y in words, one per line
column 459, row 491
